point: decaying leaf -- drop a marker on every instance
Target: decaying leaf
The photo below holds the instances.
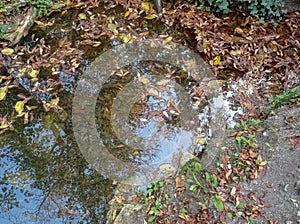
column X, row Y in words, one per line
column 295, row 141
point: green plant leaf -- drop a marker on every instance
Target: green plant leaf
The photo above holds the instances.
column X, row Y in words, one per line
column 152, row 218
column 218, row 203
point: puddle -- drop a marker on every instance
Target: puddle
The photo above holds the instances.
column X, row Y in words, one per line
column 44, row 176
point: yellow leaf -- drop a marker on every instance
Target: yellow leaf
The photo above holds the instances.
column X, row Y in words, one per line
column 171, row 12
column 168, row 46
column 153, row 92
column 96, row 44
column 217, row 60
column 145, row 221
column 82, row 16
column 127, row 14
column 33, row 73
column 7, row 51
column 142, row 79
column 21, row 72
column 19, row 107
column 54, row 101
column 3, row 125
column 126, row 37
column 146, row 6
column 236, row 52
column 3, row 92
column 112, row 27
column 64, row 13
column 151, row 16
column 168, row 39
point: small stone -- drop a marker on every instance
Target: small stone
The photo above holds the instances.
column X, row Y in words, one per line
column 298, row 213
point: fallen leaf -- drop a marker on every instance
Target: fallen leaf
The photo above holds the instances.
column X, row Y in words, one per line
column 33, row 73
column 295, row 141
column 82, row 16
column 168, row 39
column 3, row 91
column 146, row 6
column 151, row 16
column 217, row 60
column 7, row 51
column 142, row 79
column 19, row 107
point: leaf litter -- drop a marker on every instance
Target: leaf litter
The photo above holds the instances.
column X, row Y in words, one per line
column 238, row 48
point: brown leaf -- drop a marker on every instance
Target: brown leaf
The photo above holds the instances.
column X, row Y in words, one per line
column 295, row 141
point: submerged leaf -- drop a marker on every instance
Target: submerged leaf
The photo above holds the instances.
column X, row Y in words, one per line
column 142, row 79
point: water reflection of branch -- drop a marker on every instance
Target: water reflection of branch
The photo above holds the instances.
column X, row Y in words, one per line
column 45, row 198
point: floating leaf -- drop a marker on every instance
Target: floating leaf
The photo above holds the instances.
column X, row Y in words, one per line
column 142, row 79
column 3, row 91
column 153, row 92
column 82, row 16
column 217, row 60
column 7, row 51
column 218, row 203
column 33, row 73
column 151, row 16
column 19, row 107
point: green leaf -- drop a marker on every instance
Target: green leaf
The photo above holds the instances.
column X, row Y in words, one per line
column 198, row 167
column 241, row 205
column 152, row 218
column 218, row 203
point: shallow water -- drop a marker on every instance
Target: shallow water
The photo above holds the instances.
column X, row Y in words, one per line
column 44, row 175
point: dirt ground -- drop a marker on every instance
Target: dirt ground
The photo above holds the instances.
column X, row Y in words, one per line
column 280, row 186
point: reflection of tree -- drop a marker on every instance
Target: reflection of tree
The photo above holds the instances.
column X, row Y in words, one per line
column 43, row 176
